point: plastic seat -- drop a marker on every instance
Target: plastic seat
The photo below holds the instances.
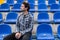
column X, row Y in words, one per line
column 54, row 7
column 1, row 18
column 41, row 2
column 43, row 17
column 56, row 17
column 32, row 8
column 11, row 18
column 58, row 31
column 20, row 1
column 50, row 2
column 4, row 30
column 44, row 32
column 5, row 8
column 10, row 2
column 42, row 7
column 16, row 8
column 31, row 2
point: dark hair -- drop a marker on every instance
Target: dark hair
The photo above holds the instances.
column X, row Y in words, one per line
column 26, row 5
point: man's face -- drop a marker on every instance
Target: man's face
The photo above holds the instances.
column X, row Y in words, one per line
column 23, row 7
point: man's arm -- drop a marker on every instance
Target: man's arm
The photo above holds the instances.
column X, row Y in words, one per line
column 17, row 25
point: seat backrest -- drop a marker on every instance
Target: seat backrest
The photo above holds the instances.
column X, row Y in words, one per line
column 59, row 1
column 20, row 1
column 11, row 15
column 5, row 29
column 58, row 30
column 32, row 6
column 41, row 2
column 16, row 6
column 51, row 2
column 56, row 16
column 31, row 2
column 5, row 6
column 1, row 16
column 54, row 6
column 10, row 1
column 42, row 6
column 43, row 15
column 44, row 28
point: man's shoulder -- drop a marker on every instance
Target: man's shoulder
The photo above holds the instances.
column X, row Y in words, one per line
column 30, row 14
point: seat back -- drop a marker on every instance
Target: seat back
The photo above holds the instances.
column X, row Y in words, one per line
column 5, row 29
column 44, row 28
column 42, row 6
column 56, row 16
column 5, row 6
column 51, row 2
column 43, row 15
column 11, row 15
column 41, row 2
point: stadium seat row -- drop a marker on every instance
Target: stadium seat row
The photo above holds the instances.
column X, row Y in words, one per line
column 42, row 17
column 43, row 32
column 11, row 2
column 41, row 7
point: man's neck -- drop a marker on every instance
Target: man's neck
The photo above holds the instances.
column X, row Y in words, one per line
column 25, row 12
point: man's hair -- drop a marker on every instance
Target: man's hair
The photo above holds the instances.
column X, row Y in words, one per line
column 26, row 4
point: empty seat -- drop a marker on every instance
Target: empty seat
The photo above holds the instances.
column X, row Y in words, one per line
column 31, row 2
column 10, row 2
column 16, row 7
column 42, row 7
column 58, row 31
column 4, row 30
column 56, row 17
column 59, row 1
column 11, row 18
column 44, row 32
column 20, row 1
column 4, row 7
column 32, row 7
column 41, row 2
column 54, row 7
column 1, row 18
column 50, row 2
column 43, row 17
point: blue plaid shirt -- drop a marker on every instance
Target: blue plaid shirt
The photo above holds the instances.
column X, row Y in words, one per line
column 24, row 23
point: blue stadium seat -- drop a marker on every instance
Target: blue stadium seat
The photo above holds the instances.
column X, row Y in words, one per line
column 41, row 2
column 56, row 17
column 4, row 7
column 54, row 7
column 10, row 2
column 20, row 1
column 44, row 32
column 1, row 18
column 43, row 17
column 16, row 8
column 58, row 31
column 59, row 2
column 32, row 8
column 4, row 30
column 50, row 2
column 42, row 7
column 31, row 2
column 11, row 18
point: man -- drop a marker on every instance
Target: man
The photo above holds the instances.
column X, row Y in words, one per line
column 24, row 25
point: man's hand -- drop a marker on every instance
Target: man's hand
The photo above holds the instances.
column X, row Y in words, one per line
column 18, row 35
